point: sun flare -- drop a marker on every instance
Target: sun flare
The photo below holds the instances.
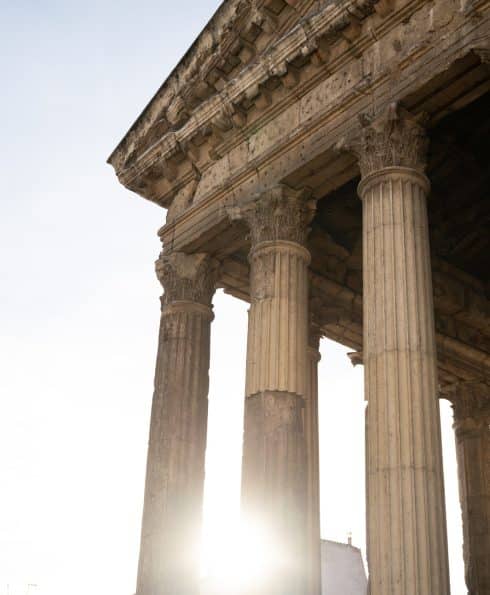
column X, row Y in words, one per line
column 236, row 558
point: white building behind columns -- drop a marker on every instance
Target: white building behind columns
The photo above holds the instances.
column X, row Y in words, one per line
column 342, row 568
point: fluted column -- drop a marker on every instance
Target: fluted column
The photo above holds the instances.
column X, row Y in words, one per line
column 274, row 494
column 171, row 527
column 471, row 404
column 407, row 543
column 313, row 549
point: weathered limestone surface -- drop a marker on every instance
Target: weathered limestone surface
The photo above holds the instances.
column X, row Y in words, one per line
column 171, row 527
column 407, row 544
column 471, row 403
column 274, row 493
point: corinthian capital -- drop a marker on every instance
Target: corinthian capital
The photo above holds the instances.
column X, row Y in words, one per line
column 187, row 277
column 280, row 213
column 471, row 404
column 395, row 138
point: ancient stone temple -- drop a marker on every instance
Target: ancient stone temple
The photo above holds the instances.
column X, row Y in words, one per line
column 327, row 162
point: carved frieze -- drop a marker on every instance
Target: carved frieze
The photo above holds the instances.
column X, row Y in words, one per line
column 187, row 277
column 280, row 213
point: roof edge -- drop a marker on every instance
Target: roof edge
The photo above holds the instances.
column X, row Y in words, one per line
column 222, row 8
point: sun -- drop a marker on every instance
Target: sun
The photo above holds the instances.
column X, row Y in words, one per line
column 237, row 558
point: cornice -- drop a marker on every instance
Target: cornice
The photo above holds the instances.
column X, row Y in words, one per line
column 213, row 115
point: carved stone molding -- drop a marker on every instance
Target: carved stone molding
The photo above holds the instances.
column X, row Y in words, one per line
column 471, row 405
column 200, row 83
column 278, row 214
column 187, row 277
column 393, row 139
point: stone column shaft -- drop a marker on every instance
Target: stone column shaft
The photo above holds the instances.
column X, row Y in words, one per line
column 277, row 335
column 471, row 403
column 171, row 530
column 407, row 544
column 274, row 472
column 313, row 462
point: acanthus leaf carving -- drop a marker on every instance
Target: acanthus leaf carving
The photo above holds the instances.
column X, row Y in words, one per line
column 393, row 139
column 471, row 404
column 187, row 277
column 280, row 213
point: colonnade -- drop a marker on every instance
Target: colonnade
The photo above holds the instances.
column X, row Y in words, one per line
column 407, row 544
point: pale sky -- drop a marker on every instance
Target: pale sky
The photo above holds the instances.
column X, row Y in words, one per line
column 79, row 313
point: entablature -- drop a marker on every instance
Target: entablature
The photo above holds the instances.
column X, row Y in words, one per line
column 298, row 146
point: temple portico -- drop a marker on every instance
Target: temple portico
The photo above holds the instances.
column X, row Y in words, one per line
column 325, row 162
